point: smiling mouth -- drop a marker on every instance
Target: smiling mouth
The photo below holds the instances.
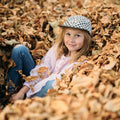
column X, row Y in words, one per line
column 71, row 45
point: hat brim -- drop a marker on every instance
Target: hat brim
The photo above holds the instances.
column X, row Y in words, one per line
column 73, row 28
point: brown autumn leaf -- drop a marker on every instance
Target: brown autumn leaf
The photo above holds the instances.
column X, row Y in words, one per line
column 59, row 107
column 113, row 105
column 31, row 87
column 95, row 107
column 2, row 76
column 105, row 19
column 42, row 72
column 110, row 65
column 30, row 78
column 11, row 63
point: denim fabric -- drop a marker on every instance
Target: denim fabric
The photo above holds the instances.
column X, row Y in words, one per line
column 23, row 61
column 44, row 90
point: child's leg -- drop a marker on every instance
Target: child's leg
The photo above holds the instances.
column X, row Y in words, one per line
column 43, row 91
column 23, row 61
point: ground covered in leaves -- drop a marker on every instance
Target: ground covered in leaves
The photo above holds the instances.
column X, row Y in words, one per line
column 90, row 91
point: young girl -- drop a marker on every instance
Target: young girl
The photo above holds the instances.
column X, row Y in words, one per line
column 73, row 41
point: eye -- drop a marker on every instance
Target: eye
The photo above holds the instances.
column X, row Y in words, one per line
column 68, row 34
column 77, row 35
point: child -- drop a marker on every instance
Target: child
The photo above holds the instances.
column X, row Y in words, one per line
column 73, row 41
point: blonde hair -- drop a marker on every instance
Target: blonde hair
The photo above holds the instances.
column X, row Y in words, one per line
column 61, row 49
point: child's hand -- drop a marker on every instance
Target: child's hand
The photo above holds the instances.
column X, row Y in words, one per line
column 17, row 96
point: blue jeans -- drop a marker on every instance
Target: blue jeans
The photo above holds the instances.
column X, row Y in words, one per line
column 44, row 90
column 23, row 61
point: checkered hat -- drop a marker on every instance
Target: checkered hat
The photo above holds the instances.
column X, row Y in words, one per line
column 79, row 22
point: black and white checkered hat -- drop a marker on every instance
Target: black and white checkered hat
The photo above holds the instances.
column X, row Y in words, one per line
column 79, row 22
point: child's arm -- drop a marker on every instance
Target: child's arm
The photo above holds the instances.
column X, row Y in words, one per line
column 20, row 95
column 49, row 61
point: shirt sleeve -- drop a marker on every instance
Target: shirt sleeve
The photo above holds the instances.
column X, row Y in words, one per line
column 48, row 61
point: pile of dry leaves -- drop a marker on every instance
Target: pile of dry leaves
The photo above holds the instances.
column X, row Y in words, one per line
column 91, row 90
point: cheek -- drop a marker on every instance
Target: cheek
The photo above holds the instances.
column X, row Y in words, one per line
column 65, row 39
column 80, row 43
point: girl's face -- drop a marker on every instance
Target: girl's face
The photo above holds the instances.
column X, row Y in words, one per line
column 73, row 39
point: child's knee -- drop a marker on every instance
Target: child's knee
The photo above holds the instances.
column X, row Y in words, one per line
column 19, row 45
column 19, row 48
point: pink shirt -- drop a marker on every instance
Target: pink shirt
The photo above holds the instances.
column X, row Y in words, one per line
column 55, row 66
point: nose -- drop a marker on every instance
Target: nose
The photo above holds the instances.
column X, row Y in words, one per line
column 72, row 39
